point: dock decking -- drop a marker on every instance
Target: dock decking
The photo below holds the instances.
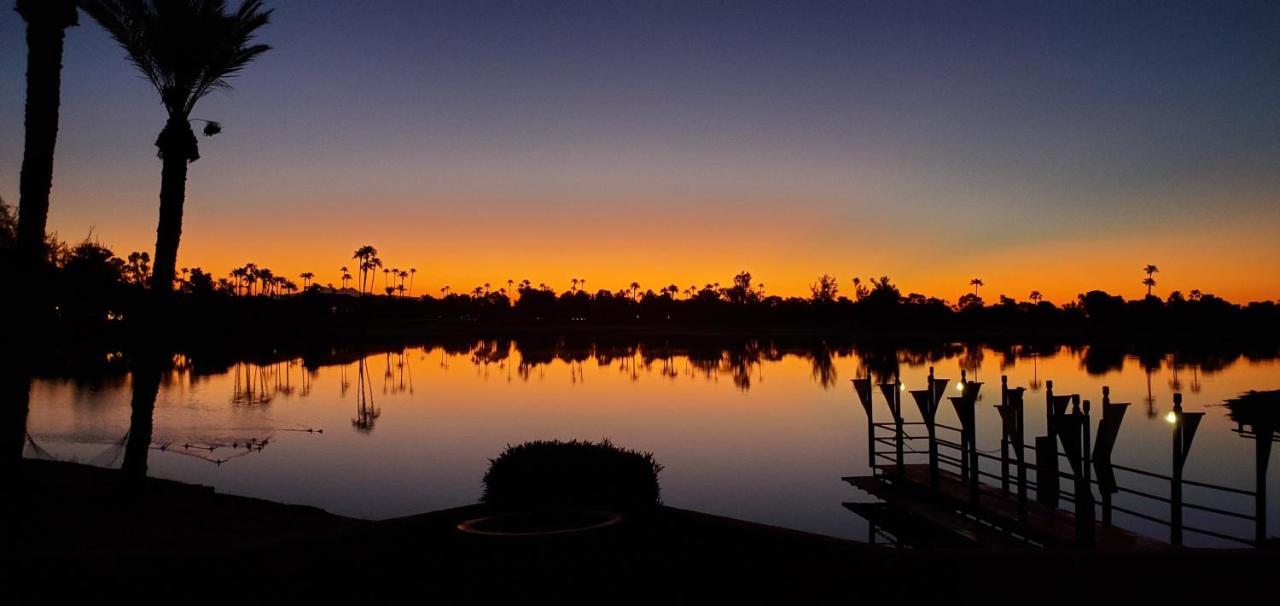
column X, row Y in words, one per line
column 913, row 509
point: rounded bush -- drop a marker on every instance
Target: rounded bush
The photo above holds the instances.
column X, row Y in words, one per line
column 554, row 474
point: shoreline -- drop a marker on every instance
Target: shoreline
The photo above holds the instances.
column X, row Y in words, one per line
column 69, row 522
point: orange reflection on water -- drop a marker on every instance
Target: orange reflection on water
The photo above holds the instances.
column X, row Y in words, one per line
column 756, row 431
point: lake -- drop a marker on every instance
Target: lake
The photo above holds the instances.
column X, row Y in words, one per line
column 752, row 430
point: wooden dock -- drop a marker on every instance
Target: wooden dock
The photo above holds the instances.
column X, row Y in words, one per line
column 913, row 511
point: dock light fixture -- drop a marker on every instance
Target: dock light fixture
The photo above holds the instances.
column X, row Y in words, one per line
column 1171, row 417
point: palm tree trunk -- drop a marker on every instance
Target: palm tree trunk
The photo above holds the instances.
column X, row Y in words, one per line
column 146, row 386
column 177, row 148
column 47, row 22
column 15, row 396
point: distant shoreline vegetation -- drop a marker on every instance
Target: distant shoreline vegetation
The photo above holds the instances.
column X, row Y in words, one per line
column 90, row 292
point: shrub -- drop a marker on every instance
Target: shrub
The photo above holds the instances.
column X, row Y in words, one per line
column 554, row 474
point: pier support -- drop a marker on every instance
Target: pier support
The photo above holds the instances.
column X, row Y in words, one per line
column 1184, row 432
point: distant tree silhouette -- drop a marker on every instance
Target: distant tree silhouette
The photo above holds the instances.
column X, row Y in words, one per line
column 1150, row 281
column 47, row 22
column 306, row 279
column 1035, row 297
column 860, row 290
column 825, row 289
column 138, row 269
column 412, row 272
column 975, row 283
column 186, row 49
column 635, row 289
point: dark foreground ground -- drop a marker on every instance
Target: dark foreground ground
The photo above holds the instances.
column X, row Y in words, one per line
column 79, row 532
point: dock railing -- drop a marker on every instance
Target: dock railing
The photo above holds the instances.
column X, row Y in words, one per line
column 1069, row 435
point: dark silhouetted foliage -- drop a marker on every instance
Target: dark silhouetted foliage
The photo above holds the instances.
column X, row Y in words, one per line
column 554, row 474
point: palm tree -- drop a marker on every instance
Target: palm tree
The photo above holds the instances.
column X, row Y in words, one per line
column 635, row 288
column 975, row 283
column 1035, row 297
column 368, row 266
column 187, row 49
column 47, row 23
column 363, row 255
column 412, row 271
column 1150, row 280
column 306, row 279
column 346, row 275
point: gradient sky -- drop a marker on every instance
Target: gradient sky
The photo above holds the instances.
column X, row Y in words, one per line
column 1056, row 146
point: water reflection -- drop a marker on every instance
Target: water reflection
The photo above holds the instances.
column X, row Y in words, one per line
column 412, row 426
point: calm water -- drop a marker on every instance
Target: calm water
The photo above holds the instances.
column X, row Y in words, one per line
column 752, row 432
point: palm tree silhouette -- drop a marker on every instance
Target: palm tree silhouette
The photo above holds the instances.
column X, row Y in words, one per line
column 635, row 288
column 47, row 23
column 186, row 49
column 975, row 283
column 306, row 279
column 345, row 275
column 363, row 255
column 412, row 271
column 1035, row 297
column 1150, row 281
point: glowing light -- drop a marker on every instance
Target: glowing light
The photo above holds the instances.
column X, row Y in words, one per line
column 959, row 386
column 902, row 386
column 1171, row 417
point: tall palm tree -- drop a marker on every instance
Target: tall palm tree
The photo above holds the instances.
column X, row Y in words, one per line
column 363, row 254
column 975, row 283
column 1150, row 281
column 187, row 49
column 372, row 265
column 412, row 271
column 306, row 279
column 1036, row 297
column 47, row 23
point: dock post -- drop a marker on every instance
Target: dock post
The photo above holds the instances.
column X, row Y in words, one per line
column 933, row 437
column 1019, row 436
column 1262, row 456
column 1047, row 455
column 897, row 422
column 1184, row 432
column 1175, row 484
column 1004, row 435
column 1108, row 431
column 927, row 402
column 892, row 393
column 965, row 406
column 1084, row 488
column 862, row 387
column 964, row 433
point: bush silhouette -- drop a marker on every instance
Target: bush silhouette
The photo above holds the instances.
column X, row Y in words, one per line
column 544, row 475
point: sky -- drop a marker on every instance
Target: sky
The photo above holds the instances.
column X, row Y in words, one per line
column 1051, row 146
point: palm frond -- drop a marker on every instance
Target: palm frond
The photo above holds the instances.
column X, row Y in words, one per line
column 185, row 48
